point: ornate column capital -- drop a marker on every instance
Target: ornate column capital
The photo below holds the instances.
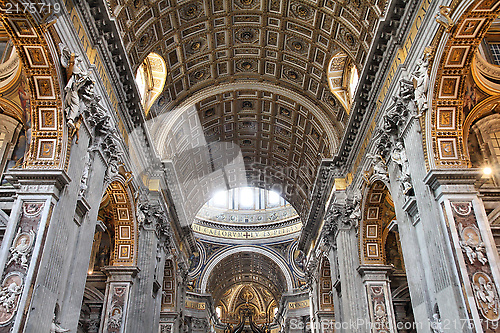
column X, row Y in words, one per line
column 38, row 181
column 452, row 181
column 120, row 273
column 375, row 272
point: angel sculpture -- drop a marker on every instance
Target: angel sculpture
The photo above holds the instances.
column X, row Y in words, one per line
column 445, row 11
column 80, row 87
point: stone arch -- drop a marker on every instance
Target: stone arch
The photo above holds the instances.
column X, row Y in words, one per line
column 446, row 119
column 218, row 258
column 378, row 212
column 123, row 215
column 48, row 146
column 181, row 136
column 150, row 78
column 480, row 111
column 339, row 73
column 325, row 286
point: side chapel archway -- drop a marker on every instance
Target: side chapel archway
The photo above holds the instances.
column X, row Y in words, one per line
column 45, row 117
column 445, row 143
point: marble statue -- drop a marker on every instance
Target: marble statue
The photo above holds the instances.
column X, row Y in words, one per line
column 85, row 176
column 436, row 325
column 398, row 156
column 55, row 328
column 420, row 78
column 445, row 12
column 80, row 87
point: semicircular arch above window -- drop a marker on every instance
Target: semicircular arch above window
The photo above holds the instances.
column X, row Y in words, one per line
column 150, row 79
column 343, row 78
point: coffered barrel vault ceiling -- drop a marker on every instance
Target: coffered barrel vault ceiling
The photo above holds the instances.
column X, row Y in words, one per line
column 252, row 74
column 232, row 135
column 211, row 41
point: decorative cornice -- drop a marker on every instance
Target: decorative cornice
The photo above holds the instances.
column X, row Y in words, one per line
column 436, row 178
column 120, row 273
column 381, row 54
column 252, row 227
column 35, row 181
column 375, row 269
column 105, row 36
column 321, row 192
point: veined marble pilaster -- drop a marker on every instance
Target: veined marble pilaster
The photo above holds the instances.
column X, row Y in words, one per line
column 378, row 293
column 116, row 303
column 353, row 301
column 24, row 242
column 471, row 244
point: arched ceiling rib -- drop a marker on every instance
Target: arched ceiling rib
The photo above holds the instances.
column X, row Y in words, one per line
column 237, row 135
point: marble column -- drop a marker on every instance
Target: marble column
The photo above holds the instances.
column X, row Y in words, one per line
column 378, row 293
column 435, row 289
column 472, row 251
column 116, row 302
column 146, row 290
column 355, row 316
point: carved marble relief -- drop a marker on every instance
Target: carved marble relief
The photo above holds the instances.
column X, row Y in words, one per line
column 117, row 304
column 420, row 79
column 79, row 88
column 166, row 327
column 18, row 262
column 378, row 311
column 476, row 261
column 10, row 292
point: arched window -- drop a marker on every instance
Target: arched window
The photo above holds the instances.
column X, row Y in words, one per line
column 490, row 45
column 150, row 79
column 343, row 79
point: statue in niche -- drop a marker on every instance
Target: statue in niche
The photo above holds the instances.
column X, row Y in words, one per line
column 103, row 257
column 398, row 156
column 158, row 261
column 420, row 79
column 80, row 87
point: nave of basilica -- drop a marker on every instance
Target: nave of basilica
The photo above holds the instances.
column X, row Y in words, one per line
column 229, row 166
